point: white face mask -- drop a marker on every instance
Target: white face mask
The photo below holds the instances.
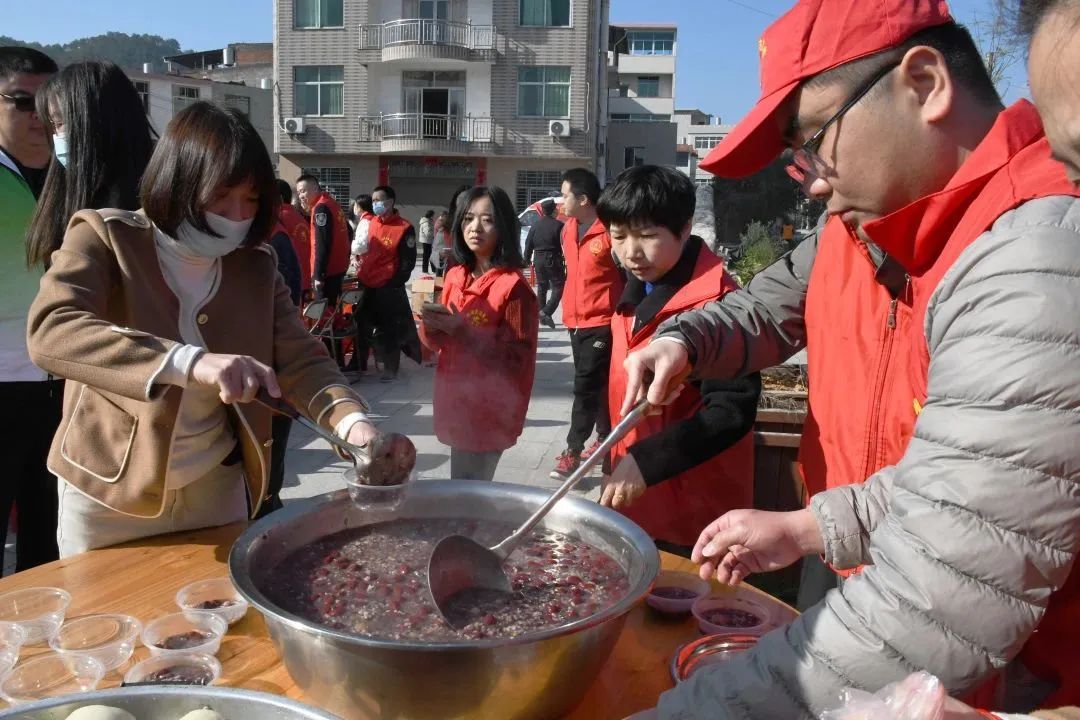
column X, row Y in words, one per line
column 232, row 232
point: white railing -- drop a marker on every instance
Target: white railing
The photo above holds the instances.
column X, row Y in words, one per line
column 426, row 126
column 427, row 32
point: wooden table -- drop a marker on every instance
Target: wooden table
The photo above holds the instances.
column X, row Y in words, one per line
column 142, row 579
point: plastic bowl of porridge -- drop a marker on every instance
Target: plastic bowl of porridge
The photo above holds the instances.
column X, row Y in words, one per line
column 178, row 668
column 217, row 596
column 674, row 592
column 343, row 594
column 730, row 614
column 376, row 497
column 191, row 631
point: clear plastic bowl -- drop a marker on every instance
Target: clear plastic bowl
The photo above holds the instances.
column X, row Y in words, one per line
column 12, row 638
column 108, row 638
column 677, row 581
column 51, row 675
column 38, row 611
column 192, row 621
column 206, row 667
column 375, row 497
column 211, row 591
column 744, row 617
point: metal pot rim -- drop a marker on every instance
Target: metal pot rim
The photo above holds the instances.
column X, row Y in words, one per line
column 628, row 529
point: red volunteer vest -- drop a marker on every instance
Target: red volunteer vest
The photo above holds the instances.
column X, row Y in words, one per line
column 593, row 281
column 479, row 406
column 338, row 262
column 1011, row 166
column 296, row 227
column 678, row 509
column 380, row 262
column 853, row 330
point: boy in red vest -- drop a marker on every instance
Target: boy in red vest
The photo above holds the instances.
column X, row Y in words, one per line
column 678, row 470
column 593, row 285
column 384, row 270
column 329, row 238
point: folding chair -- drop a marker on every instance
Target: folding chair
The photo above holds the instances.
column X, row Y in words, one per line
column 335, row 324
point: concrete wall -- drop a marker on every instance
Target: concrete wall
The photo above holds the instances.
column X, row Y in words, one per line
column 658, row 140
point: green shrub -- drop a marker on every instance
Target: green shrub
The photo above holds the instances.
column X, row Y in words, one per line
column 757, row 251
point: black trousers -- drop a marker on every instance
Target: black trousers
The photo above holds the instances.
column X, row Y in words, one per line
column 331, row 289
column 279, row 431
column 591, row 348
column 550, row 277
column 387, row 310
column 32, row 415
column 426, row 258
column 465, row 465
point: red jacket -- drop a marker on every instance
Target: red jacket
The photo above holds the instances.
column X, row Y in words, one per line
column 593, row 281
column 338, row 262
column 678, row 509
column 484, row 378
column 852, row 326
column 380, row 263
column 1011, row 166
column 296, row 227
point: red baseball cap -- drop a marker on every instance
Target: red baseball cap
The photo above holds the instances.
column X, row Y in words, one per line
column 812, row 37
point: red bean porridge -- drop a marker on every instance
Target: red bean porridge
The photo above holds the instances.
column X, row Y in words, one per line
column 732, row 617
column 373, row 581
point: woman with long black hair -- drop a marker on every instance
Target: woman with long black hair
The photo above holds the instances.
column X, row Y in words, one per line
column 102, row 143
column 485, row 331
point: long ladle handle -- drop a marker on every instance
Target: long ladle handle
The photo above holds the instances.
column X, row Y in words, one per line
column 361, row 457
column 617, row 433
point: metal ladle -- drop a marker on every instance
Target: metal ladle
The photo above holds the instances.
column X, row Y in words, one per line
column 459, row 563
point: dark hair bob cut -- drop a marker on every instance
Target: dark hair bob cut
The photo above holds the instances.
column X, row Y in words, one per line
column 508, row 247
column 648, row 195
column 207, row 149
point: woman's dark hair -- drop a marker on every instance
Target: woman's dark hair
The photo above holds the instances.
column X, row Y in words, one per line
column 1031, row 13
column 583, row 182
column 285, row 191
column 648, row 195
column 205, row 150
column 507, row 252
column 454, row 198
column 364, row 201
column 109, row 144
column 429, row 214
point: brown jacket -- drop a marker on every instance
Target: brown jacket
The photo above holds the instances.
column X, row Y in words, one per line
column 105, row 320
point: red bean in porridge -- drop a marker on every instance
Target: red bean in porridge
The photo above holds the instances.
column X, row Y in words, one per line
column 373, row 581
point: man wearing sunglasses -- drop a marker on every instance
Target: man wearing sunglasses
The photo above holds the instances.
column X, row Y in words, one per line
column 29, row 398
column 941, row 311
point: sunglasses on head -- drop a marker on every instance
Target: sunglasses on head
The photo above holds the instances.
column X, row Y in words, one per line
column 22, row 103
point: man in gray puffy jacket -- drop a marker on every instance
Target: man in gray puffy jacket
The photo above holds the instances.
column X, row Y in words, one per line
column 967, row 542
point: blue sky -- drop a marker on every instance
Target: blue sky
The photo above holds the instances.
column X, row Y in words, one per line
column 717, row 66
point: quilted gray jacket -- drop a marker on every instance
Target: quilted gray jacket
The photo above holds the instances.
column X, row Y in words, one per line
column 969, row 534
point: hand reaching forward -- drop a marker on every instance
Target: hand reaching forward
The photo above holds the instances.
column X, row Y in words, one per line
column 743, row 542
column 237, row 377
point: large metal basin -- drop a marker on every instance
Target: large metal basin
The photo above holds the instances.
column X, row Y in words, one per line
column 541, row 676
column 171, row 703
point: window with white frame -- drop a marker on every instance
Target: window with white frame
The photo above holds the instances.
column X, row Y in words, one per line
column 544, row 91
column 648, row 86
column 310, row 14
column 651, row 42
column 707, row 142
column 319, row 90
column 143, row 88
column 544, row 13
column 183, row 97
column 335, row 180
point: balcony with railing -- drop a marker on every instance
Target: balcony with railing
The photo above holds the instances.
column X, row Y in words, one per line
column 423, row 39
column 428, row 133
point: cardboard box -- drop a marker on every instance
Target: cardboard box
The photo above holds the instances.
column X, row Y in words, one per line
column 425, row 288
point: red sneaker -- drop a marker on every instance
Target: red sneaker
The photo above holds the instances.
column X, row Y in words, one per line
column 566, row 464
column 592, row 448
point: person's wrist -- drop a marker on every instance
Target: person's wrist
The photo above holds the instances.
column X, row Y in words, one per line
column 806, row 532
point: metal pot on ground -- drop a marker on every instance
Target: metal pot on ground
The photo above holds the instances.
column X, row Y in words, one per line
column 540, row 676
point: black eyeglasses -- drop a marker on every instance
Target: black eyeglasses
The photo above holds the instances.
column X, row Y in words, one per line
column 805, row 159
column 22, row 103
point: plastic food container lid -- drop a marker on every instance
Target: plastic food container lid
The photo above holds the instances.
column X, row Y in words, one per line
column 709, row 650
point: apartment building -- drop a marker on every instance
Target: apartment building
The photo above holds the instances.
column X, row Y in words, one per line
column 641, row 96
column 427, row 95
column 698, row 133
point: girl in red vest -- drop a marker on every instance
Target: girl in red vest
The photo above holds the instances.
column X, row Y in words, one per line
column 678, row 469
column 485, row 331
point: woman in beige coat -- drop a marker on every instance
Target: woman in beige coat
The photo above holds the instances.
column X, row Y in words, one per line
column 164, row 322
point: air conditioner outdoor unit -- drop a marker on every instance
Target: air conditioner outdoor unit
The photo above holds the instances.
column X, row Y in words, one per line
column 295, row 126
column 559, row 128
